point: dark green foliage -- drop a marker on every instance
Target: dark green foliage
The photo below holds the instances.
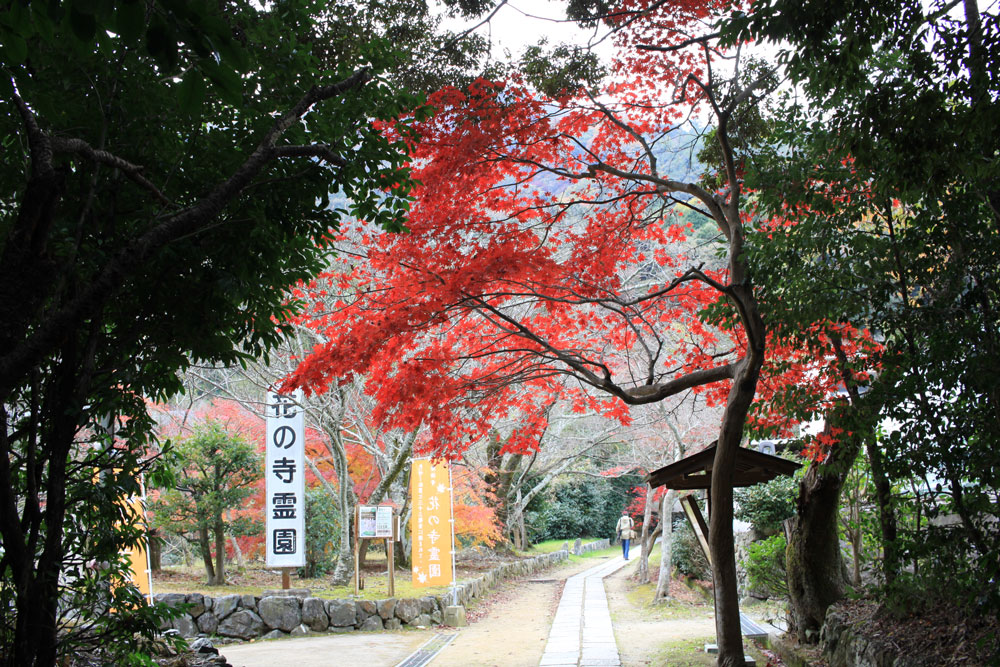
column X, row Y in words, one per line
column 322, row 532
column 765, row 566
column 563, row 70
column 581, row 508
column 893, row 170
column 213, row 475
column 765, row 506
column 687, row 556
column 154, row 206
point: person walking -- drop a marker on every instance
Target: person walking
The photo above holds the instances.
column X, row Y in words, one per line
column 625, row 531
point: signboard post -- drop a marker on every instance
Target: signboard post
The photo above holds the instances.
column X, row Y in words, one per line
column 375, row 522
column 431, row 524
column 284, row 475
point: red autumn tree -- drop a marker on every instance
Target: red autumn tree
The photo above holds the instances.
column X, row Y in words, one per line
column 540, row 247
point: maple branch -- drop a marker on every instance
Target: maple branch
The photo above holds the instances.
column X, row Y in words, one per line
column 666, row 185
column 657, row 392
column 681, row 45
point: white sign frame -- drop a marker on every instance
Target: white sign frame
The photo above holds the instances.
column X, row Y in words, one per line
column 375, row 522
column 284, row 474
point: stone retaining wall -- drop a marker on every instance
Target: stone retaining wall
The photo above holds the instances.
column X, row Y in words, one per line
column 580, row 548
column 249, row 616
column 845, row 645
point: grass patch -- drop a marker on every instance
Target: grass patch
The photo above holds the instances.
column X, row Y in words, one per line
column 640, row 598
column 685, row 653
column 256, row 581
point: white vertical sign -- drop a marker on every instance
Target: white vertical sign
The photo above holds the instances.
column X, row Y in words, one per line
column 284, row 472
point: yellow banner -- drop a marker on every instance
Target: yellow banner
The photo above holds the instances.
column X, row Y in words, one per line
column 430, row 523
column 141, row 576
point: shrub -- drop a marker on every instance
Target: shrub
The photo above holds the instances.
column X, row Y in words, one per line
column 765, row 566
column 765, row 506
column 687, row 555
column 322, row 531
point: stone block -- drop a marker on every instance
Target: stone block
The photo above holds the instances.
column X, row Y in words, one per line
column 226, row 605
column 407, row 609
column 393, row 624
column 274, row 634
column 249, row 601
column 197, row 602
column 283, row 613
column 422, row 621
column 244, row 624
column 208, row 623
column 342, row 613
column 386, row 608
column 185, row 626
column 455, row 616
column 371, row 623
column 314, row 614
column 300, row 631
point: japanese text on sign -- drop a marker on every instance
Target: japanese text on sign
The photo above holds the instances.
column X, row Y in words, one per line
column 430, row 523
column 375, row 521
column 284, row 475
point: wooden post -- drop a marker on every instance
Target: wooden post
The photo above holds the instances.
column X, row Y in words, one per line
column 357, row 575
column 390, row 552
column 286, row 576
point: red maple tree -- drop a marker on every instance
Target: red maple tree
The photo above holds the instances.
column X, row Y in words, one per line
column 542, row 247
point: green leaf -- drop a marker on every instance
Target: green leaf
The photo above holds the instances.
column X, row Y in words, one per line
column 226, row 81
column 15, row 50
column 191, row 92
column 130, row 19
column 84, row 25
column 161, row 44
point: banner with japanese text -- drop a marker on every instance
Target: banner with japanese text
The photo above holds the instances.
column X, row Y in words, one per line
column 284, row 472
column 430, row 523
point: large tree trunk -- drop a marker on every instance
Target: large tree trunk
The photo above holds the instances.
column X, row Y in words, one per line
column 155, row 547
column 813, row 560
column 814, row 564
column 345, row 562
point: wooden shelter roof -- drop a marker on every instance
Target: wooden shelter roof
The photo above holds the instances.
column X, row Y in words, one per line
column 695, row 471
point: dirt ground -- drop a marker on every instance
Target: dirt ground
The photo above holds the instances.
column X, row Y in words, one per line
column 646, row 633
column 510, row 627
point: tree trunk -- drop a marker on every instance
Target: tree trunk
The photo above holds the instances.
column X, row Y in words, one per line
column 727, row 611
column 206, row 552
column 645, row 537
column 666, row 546
column 345, row 561
column 813, row 560
column 220, row 552
column 155, row 550
column 886, row 512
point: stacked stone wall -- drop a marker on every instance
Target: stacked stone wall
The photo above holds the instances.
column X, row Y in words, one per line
column 249, row 617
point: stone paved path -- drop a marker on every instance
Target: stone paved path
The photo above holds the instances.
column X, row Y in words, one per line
column 581, row 634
